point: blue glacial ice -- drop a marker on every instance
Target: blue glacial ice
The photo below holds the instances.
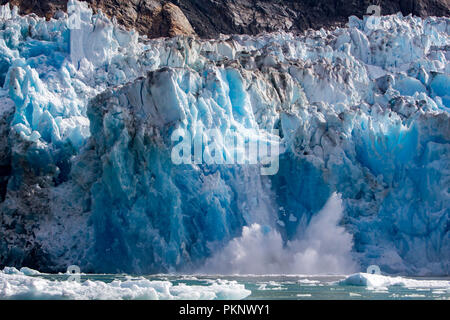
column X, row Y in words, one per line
column 363, row 116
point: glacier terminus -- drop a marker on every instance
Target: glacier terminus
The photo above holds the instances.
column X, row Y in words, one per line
column 360, row 117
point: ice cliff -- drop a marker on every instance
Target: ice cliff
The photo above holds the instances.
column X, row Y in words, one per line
column 88, row 110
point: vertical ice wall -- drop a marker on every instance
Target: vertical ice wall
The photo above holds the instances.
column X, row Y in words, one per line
column 362, row 112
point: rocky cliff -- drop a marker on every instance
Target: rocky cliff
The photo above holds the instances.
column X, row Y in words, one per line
column 209, row 18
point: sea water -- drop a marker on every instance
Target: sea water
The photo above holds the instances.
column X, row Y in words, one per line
column 28, row 284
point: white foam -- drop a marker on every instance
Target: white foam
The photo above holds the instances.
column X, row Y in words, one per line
column 16, row 285
column 352, row 294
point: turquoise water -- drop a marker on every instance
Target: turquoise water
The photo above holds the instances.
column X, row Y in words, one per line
column 289, row 287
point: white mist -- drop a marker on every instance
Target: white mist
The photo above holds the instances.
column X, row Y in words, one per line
column 323, row 248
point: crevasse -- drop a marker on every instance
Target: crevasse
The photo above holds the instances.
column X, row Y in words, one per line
column 90, row 109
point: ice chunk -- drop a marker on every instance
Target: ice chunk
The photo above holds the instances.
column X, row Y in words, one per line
column 377, row 280
column 362, row 112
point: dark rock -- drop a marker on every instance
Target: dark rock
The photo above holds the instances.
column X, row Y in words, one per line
column 209, row 18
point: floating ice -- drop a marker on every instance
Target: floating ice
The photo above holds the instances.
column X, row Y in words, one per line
column 308, row 282
column 22, row 286
column 381, row 281
column 323, row 248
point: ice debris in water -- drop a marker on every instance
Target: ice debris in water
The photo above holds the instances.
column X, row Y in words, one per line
column 23, row 271
column 362, row 112
column 22, row 286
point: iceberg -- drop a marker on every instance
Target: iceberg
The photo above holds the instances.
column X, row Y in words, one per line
column 89, row 110
column 381, row 281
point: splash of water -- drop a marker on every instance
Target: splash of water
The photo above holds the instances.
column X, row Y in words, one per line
column 323, row 248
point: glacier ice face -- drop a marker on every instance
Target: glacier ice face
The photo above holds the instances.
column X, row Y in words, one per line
column 91, row 107
column 175, row 214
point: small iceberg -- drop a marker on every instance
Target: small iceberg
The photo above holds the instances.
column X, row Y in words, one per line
column 381, row 281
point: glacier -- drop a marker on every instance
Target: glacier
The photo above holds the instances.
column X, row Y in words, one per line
column 87, row 110
column 381, row 282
